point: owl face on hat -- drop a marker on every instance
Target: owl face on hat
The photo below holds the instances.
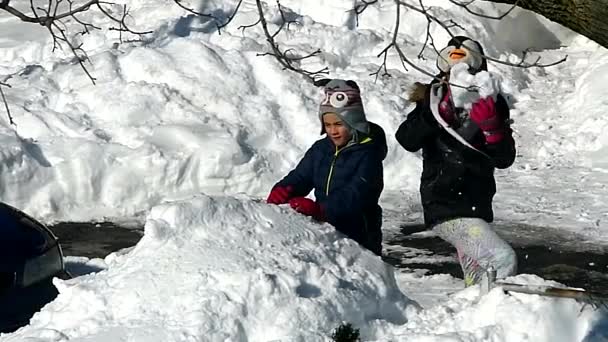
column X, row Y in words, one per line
column 343, row 98
column 461, row 49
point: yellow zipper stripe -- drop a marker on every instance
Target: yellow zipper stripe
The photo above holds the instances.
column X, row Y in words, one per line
column 331, row 171
column 331, row 168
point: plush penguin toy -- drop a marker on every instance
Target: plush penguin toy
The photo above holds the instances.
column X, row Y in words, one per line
column 461, row 49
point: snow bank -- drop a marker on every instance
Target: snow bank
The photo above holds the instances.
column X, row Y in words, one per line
column 217, row 269
column 190, row 111
column 589, row 103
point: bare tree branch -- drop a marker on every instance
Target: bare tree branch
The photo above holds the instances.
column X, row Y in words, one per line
column 382, row 67
column 188, row 9
column 395, row 45
column 288, row 58
column 44, row 20
column 282, row 57
column 244, row 27
column 429, row 37
column 219, row 26
column 429, row 16
column 52, row 18
column 284, row 20
column 447, row 26
column 77, row 51
column 361, row 7
column 405, row 61
column 526, row 65
column 122, row 25
column 466, row 5
column 8, row 111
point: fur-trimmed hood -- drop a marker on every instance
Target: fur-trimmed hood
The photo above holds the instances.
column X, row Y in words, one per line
column 417, row 93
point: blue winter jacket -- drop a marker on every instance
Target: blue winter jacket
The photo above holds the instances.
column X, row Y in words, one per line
column 347, row 184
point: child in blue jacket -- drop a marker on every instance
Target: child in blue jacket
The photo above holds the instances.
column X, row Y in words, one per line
column 344, row 168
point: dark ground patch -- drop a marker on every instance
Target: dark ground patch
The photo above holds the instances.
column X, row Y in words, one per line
column 94, row 240
column 552, row 254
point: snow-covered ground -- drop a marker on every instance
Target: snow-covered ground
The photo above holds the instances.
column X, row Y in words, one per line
column 189, row 129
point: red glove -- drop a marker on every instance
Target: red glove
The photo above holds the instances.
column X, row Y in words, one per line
column 483, row 113
column 279, row 194
column 307, row 207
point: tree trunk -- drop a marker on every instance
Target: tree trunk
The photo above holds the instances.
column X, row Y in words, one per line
column 587, row 17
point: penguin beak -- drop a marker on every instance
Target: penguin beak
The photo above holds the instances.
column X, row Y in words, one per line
column 457, row 54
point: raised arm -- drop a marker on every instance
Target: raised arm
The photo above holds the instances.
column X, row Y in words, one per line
column 419, row 125
column 502, row 149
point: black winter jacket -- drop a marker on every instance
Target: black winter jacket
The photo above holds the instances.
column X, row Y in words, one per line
column 457, row 180
column 347, row 183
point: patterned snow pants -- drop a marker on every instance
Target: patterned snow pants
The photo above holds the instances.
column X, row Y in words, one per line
column 478, row 248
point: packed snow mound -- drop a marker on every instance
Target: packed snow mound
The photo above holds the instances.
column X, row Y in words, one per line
column 226, row 269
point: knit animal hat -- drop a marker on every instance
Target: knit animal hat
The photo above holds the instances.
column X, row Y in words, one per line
column 343, row 97
column 461, row 49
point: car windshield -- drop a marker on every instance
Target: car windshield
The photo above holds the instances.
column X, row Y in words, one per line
column 20, row 239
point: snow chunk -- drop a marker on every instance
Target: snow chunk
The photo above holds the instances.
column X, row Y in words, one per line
column 486, row 84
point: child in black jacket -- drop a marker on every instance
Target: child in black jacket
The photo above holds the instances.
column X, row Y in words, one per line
column 461, row 148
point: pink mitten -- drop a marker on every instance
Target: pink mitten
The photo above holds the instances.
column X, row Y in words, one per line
column 483, row 113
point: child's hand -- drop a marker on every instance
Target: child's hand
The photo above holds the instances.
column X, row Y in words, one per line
column 307, row 207
column 483, row 113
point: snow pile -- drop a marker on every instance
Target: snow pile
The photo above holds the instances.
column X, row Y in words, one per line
column 220, row 269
